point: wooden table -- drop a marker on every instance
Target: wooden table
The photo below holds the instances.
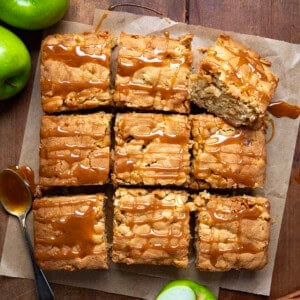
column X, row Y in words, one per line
column 278, row 19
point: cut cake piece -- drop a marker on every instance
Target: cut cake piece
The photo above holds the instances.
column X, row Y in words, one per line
column 151, row 227
column 234, row 83
column 225, row 156
column 75, row 71
column 75, row 149
column 153, row 72
column 69, row 232
column 231, row 232
column 151, row 149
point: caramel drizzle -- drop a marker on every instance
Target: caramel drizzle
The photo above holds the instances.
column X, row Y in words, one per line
column 72, row 234
column 128, row 69
column 76, row 154
column 220, row 140
column 101, row 20
column 223, row 216
column 167, row 243
column 75, row 56
column 63, row 88
column 125, row 161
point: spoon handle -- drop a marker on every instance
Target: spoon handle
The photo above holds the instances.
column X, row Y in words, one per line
column 44, row 291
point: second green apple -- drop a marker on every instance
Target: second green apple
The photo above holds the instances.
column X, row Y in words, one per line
column 32, row 14
column 15, row 64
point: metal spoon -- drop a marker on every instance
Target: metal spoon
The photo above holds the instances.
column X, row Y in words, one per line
column 15, row 197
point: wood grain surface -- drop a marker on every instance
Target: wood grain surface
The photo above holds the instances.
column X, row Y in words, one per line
column 279, row 19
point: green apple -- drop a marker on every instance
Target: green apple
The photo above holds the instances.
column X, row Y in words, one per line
column 15, row 64
column 185, row 290
column 32, row 14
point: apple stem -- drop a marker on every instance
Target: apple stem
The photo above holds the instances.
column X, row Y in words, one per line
column 11, row 83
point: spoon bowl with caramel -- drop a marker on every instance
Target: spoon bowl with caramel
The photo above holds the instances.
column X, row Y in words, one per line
column 16, row 199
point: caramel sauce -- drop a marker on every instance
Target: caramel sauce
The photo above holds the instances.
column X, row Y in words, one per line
column 27, row 174
column 281, row 109
column 238, row 247
column 222, row 140
column 13, row 193
column 101, row 20
column 63, row 88
column 74, row 231
column 75, row 56
column 89, row 175
column 163, row 137
column 167, row 239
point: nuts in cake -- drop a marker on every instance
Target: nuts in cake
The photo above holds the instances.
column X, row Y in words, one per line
column 75, row 71
column 75, row 149
column 69, row 232
column 151, row 227
column 234, row 83
column 151, row 149
column 152, row 73
column 231, row 232
column 225, row 156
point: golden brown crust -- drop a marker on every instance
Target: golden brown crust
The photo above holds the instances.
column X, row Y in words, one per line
column 151, row 227
column 153, row 73
column 151, row 149
column 75, row 71
column 69, row 232
column 226, row 157
column 74, row 149
column 232, row 232
column 234, row 83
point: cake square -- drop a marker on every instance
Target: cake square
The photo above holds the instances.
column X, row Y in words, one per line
column 234, row 83
column 231, row 232
column 151, row 149
column 153, row 72
column 75, row 71
column 69, row 232
column 226, row 157
column 151, row 227
column 75, row 149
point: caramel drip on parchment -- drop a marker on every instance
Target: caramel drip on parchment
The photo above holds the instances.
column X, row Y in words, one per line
column 281, row 109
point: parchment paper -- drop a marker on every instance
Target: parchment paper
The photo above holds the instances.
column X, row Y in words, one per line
column 145, row 281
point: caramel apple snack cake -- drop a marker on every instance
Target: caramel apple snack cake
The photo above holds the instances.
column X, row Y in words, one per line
column 225, row 156
column 153, row 158
column 151, row 227
column 75, row 149
column 153, row 72
column 69, row 232
column 231, row 232
column 75, row 71
column 234, row 83
column 151, row 149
